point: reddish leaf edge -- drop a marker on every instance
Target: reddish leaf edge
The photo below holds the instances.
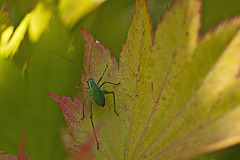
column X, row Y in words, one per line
column 83, row 151
column 21, row 151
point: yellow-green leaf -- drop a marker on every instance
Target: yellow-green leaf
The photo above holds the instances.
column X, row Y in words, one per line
column 73, row 10
column 178, row 97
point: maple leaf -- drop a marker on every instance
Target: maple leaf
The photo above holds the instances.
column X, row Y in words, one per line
column 179, row 94
column 7, row 156
column 83, row 152
column 21, row 151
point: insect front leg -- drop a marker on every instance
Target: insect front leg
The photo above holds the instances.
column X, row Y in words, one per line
column 90, row 108
column 102, row 75
column 112, row 92
column 83, row 105
column 109, row 83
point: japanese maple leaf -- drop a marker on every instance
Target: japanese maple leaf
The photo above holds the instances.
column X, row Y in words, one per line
column 179, row 94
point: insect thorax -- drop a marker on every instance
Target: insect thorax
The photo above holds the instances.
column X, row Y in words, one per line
column 91, row 82
column 96, row 92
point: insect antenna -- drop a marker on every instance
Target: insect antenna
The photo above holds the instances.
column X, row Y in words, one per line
column 55, row 53
column 92, row 46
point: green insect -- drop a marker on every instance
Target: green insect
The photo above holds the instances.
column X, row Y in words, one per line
column 95, row 92
column 98, row 96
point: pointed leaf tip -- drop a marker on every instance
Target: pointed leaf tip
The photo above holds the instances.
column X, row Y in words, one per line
column 84, row 152
column 21, row 151
column 72, row 112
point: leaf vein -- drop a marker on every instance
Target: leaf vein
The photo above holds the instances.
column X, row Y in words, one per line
column 192, row 133
column 114, row 143
column 135, row 92
column 162, row 88
column 182, row 109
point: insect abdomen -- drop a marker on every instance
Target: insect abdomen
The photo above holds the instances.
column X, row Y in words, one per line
column 97, row 94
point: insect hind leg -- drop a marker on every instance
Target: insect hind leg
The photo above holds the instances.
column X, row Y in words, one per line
column 83, row 106
column 90, row 107
column 112, row 92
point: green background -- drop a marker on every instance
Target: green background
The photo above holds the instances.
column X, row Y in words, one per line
column 23, row 99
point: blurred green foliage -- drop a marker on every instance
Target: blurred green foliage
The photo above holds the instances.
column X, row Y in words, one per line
column 26, row 77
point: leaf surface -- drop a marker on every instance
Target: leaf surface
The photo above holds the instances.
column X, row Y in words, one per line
column 83, row 151
column 178, row 97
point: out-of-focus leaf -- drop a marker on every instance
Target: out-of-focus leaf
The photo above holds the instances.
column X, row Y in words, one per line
column 7, row 156
column 21, row 152
column 36, row 22
column 40, row 18
column 19, row 9
column 5, row 20
column 73, row 10
column 12, row 40
column 178, row 97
